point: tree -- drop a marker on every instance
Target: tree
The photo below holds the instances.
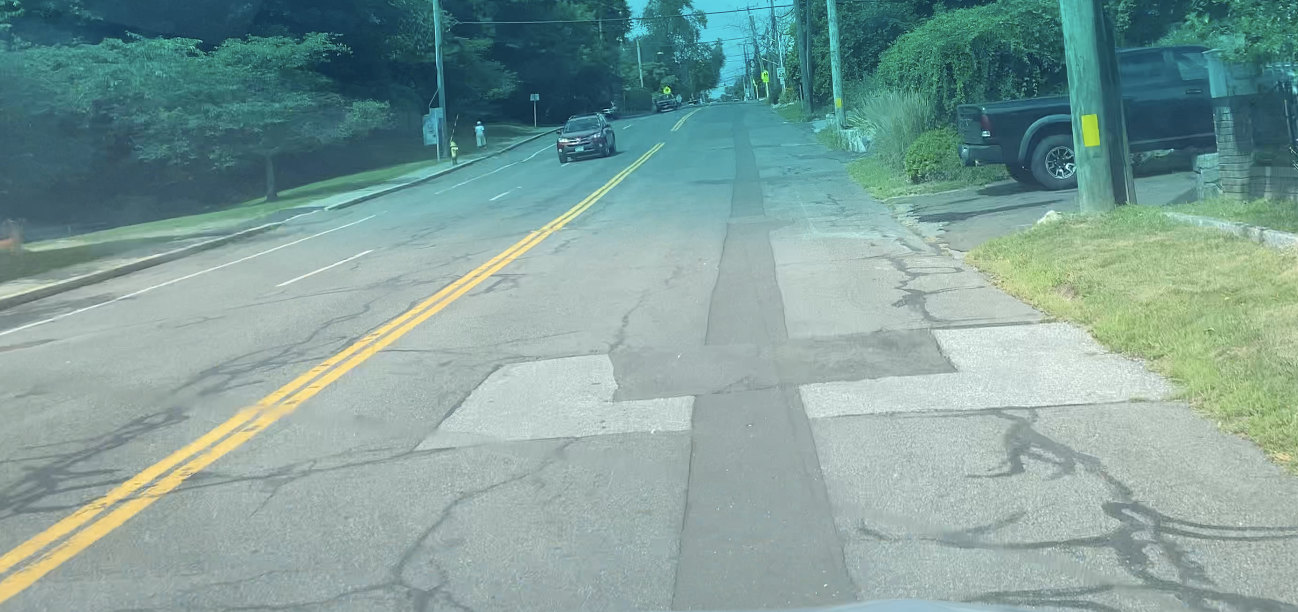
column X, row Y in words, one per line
column 249, row 99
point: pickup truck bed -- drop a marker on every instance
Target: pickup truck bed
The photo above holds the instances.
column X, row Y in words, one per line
column 1165, row 92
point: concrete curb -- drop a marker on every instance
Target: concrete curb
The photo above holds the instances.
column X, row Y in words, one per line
column 419, row 181
column 127, row 268
column 1261, row 235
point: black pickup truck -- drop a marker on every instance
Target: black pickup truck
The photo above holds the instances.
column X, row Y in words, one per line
column 1165, row 94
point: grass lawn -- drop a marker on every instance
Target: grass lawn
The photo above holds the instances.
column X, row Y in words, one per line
column 1273, row 214
column 31, row 263
column 791, row 113
column 289, row 198
column 882, row 181
column 1215, row 313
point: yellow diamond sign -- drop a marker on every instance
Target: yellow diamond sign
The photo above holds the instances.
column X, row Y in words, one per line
column 666, row 90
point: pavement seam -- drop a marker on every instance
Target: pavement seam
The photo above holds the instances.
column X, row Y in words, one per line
column 100, row 276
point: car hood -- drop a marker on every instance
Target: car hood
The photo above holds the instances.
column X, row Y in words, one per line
column 581, row 134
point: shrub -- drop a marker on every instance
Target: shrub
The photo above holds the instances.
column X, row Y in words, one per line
column 933, row 155
column 893, row 120
column 1004, row 50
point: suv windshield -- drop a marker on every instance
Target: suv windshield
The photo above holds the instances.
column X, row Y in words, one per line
column 585, row 124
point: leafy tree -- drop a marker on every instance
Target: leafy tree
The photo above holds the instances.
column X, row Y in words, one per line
column 179, row 105
column 1006, row 50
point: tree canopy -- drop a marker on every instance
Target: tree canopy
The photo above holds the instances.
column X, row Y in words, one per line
column 176, row 90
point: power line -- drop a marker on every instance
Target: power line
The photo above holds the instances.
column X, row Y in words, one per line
column 552, row 21
column 705, row 13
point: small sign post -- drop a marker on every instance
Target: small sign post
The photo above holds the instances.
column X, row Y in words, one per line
column 433, row 129
column 535, row 98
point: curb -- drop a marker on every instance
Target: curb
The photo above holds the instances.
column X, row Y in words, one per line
column 1261, row 235
column 419, row 181
column 127, row 268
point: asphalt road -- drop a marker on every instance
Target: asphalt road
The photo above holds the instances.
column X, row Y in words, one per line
column 704, row 373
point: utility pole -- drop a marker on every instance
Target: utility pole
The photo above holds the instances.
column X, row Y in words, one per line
column 748, row 73
column 757, row 52
column 638, row 63
column 442, row 136
column 835, row 62
column 1101, row 159
column 778, row 39
column 802, row 34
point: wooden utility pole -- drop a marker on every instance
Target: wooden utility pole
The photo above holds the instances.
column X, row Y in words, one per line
column 442, row 136
column 757, row 53
column 1100, row 148
column 835, row 68
column 802, row 34
column 778, row 43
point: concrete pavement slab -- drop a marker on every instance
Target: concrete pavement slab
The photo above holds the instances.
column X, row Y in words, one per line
column 1020, row 365
column 555, row 398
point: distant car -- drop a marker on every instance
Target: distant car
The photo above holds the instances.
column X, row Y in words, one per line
column 666, row 103
column 586, row 135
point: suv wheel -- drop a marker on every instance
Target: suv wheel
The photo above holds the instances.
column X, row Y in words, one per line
column 1054, row 163
column 563, row 159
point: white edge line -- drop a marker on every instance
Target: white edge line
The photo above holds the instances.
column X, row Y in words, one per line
column 177, row 280
column 462, row 183
column 503, row 194
column 328, row 267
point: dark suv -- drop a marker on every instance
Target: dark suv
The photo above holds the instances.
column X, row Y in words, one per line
column 586, row 135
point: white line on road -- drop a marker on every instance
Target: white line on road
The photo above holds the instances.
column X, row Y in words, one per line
column 504, row 194
column 461, row 183
column 328, row 267
column 627, row 126
column 548, row 148
column 177, row 280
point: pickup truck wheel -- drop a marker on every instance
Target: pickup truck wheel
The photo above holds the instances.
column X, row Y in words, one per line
column 1054, row 164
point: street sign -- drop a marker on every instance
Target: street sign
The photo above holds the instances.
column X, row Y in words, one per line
column 666, row 90
column 766, row 76
column 780, row 73
column 432, row 127
column 535, row 98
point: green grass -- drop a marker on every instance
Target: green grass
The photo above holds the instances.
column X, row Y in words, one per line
column 289, row 198
column 31, row 263
column 1274, row 214
column 791, row 113
column 883, row 181
column 1214, row 313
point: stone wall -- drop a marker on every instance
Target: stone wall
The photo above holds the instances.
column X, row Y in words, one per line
column 1254, row 156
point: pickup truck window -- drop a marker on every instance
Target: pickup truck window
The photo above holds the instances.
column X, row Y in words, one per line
column 1143, row 67
column 1191, row 66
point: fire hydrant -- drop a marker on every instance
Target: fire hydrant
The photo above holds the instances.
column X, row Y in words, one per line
column 455, row 153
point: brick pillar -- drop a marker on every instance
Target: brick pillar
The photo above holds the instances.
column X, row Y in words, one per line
column 1233, row 121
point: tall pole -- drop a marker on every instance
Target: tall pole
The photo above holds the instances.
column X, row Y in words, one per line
column 757, row 52
column 748, row 73
column 1099, row 128
column 442, row 136
column 835, row 68
column 779, row 49
column 802, row 33
column 638, row 63
column 808, row 64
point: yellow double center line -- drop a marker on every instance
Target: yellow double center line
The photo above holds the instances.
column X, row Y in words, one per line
column 684, row 119
column 81, row 529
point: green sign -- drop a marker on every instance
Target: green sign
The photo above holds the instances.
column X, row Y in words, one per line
column 766, row 77
column 666, row 90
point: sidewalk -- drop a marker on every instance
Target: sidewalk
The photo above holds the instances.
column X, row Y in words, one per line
column 54, row 266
